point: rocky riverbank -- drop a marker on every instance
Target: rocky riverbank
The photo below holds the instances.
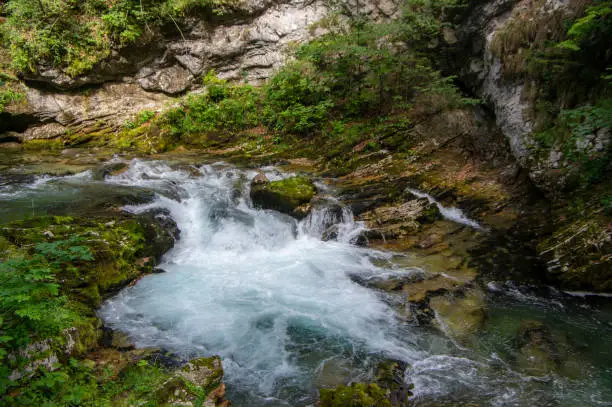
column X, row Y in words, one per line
column 91, row 257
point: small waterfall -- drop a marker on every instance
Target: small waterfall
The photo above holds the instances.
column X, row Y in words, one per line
column 451, row 213
column 329, row 219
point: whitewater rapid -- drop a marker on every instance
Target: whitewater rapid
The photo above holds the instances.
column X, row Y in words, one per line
column 283, row 308
column 258, row 289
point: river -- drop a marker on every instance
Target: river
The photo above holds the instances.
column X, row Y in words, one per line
column 286, row 311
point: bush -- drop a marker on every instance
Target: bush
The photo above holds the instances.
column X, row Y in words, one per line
column 76, row 35
column 223, row 107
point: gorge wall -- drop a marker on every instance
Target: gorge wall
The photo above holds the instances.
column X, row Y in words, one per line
column 252, row 39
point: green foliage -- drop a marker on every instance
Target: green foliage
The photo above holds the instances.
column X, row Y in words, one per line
column 141, row 118
column 222, row 107
column 423, row 20
column 366, row 69
column 76, row 35
column 30, row 301
column 295, row 101
column 574, row 131
column 8, row 91
column 596, row 22
column 77, row 383
column 53, row 274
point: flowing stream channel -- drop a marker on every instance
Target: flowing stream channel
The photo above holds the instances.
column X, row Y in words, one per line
column 284, row 310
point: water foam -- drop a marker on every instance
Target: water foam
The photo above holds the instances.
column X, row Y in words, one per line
column 281, row 306
column 254, row 287
column 450, row 213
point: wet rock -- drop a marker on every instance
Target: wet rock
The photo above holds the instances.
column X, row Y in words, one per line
column 223, row 211
column 109, row 169
column 285, row 196
column 389, row 389
column 160, row 232
column 386, row 283
column 331, row 233
column 390, row 376
column 397, row 221
column 460, row 315
column 260, row 179
column 538, row 353
column 198, row 380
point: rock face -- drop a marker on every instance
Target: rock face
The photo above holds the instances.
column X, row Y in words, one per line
column 577, row 255
column 511, row 95
column 53, row 114
column 247, row 42
column 288, row 196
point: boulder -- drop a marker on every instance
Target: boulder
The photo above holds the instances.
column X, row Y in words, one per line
column 287, row 196
column 260, row 179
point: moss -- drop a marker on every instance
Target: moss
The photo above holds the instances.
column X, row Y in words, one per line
column 297, row 189
column 118, row 245
column 284, row 196
column 355, row 395
column 44, row 144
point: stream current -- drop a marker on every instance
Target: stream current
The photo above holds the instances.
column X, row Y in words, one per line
column 284, row 311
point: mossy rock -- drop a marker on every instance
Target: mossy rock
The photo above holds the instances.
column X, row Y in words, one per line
column 287, row 196
column 355, row 395
column 123, row 248
column 198, row 381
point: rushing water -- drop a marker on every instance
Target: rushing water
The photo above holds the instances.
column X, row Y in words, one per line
column 283, row 310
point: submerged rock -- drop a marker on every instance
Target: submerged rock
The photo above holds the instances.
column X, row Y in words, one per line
column 538, row 354
column 460, row 315
column 356, row 395
column 287, row 196
column 109, row 169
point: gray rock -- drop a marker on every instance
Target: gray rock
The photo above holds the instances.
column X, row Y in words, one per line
column 172, row 80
